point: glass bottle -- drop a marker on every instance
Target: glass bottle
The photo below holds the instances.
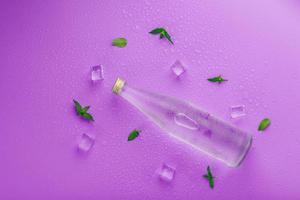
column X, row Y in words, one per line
column 189, row 124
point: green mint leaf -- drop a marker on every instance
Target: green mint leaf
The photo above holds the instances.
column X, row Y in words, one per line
column 166, row 34
column 157, row 31
column 83, row 111
column 162, row 34
column 218, row 79
column 88, row 116
column 135, row 133
column 86, row 108
column 209, row 172
column 78, row 107
column 119, row 42
column 211, row 183
column 209, row 177
column 264, row 124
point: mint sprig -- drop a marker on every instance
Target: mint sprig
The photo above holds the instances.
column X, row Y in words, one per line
column 264, row 124
column 134, row 134
column 82, row 111
column 209, row 177
column 119, row 42
column 218, row 79
column 162, row 34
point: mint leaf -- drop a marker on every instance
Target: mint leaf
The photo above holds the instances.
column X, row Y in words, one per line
column 163, row 34
column 209, row 177
column 119, row 42
column 83, row 111
column 135, row 133
column 157, row 31
column 264, row 124
column 166, row 34
column 78, row 107
column 86, row 108
column 218, row 79
column 88, row 116
column 209, row 172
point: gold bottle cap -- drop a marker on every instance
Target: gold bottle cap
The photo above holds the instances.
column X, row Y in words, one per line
column 119, row 84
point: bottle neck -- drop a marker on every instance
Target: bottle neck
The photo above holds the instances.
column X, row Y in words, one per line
column 118, row 86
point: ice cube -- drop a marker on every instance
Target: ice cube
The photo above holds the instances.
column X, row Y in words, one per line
column 237, row 111
column 97, row 73
column 85, row 142
column 166, row 173
column 177, row 68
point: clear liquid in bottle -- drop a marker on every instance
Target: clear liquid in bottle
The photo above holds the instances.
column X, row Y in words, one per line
column 189, row 124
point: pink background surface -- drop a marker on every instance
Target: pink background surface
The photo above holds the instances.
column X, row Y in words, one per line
column 48, row 47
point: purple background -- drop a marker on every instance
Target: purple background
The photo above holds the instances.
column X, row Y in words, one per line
column 47, row 48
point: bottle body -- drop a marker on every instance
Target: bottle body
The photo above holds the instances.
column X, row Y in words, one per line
column 191, row 125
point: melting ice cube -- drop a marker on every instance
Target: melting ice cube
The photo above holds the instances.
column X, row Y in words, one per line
column 86, row 142
column 237, row 111
column 166, row 173
column 177, row 68
column 97, row 73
